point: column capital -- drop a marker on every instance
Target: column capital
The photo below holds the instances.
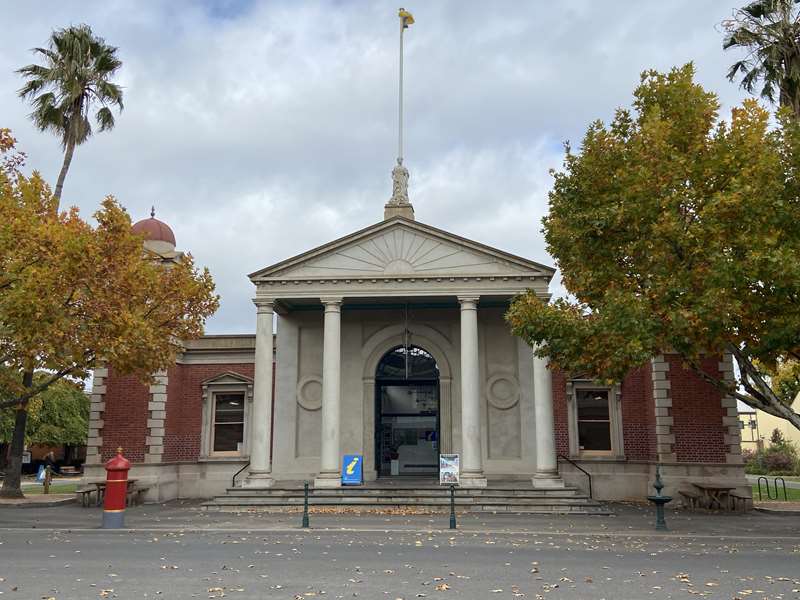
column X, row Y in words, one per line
column 331, row 302
column 468, row 302
column 264, row 305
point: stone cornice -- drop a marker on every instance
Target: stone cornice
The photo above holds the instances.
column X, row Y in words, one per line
column 402, row 286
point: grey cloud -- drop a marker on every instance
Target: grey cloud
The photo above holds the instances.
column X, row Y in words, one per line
column 261, row 129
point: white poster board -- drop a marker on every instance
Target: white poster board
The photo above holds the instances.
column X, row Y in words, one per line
column 26, row 458
column 449, row 469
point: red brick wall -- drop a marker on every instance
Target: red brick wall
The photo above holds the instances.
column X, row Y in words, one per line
column 125, row 417
column 185, row 407
column 560, row 412
column 638, row 415
column 697, row 413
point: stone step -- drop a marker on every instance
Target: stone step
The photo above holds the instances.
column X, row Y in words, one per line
column 426, row 494
column 352, row 500
column 394, row 492
column 584, row 506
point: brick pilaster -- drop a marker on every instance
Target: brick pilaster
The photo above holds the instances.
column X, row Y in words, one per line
column 156, row 415
column 730, row 419
column 97, row 405
column 665, row 438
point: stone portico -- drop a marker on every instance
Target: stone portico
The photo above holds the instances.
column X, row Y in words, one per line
column 342, row 307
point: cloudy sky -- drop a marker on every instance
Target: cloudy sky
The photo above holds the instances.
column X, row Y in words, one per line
column 262, row 129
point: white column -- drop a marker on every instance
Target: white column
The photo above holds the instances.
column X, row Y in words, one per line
column 546, row 475
column 471, row 455
column 260, row 442
column 330, row 474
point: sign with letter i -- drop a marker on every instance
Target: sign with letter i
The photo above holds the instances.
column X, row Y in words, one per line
column 352, row 471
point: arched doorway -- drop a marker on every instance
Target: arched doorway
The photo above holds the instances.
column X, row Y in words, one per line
column 407, row 413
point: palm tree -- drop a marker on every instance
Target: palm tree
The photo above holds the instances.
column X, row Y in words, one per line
column 76, row 73
column 769, row 31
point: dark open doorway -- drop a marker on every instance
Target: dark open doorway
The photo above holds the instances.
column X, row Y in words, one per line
column 407, row 413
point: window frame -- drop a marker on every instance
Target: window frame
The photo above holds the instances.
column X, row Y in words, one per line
column 213, row 429
column 225, row 383
column 615, row 420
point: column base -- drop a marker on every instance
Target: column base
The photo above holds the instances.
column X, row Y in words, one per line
column 328, row 480
column 472, row 480
column 258, row 480
column 547, row 481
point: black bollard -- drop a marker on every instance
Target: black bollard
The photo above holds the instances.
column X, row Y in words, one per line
column 452, row 507
column 305, row 506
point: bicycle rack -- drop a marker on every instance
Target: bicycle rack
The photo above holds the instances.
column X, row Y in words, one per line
column 775, row 483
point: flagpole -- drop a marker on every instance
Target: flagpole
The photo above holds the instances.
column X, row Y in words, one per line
column 400, row 99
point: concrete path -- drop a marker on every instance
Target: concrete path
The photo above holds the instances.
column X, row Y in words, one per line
column 627, row 519
column 177, row 551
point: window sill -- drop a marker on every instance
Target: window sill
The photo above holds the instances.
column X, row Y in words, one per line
column 223, row 459
column 598, row 457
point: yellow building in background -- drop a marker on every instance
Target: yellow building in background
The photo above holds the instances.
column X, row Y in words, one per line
column 757, row 427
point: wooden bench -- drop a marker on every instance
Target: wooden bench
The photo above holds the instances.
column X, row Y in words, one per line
column 135, row 495
column 691, row 498
column 738, row 501
column 84, row 495
column 69, row 471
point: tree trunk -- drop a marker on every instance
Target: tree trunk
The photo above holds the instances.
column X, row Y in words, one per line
column 11, row 483
column 761, row 395
column 68, row 152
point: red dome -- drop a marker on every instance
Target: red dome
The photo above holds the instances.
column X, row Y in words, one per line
column 154, row 230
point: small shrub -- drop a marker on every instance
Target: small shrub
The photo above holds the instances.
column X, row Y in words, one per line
column 753, row 462
column 779, row 460
column 777, row 439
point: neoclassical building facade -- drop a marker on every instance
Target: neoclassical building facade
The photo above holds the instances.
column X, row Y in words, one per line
column 390, row 343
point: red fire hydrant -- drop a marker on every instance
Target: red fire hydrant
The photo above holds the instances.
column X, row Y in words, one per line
column 116, row 489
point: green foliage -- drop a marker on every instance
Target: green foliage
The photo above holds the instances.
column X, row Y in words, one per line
column 785, row 379
column 777, row 438
column 59, row 415
column 675, row 230
column 76, row 73
column 74, row 297
column 767, row 32
column 781, row 457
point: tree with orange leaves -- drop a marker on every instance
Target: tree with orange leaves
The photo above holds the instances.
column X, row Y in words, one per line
column 75, row 296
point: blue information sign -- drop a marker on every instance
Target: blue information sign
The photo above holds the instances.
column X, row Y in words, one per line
column 352, row 473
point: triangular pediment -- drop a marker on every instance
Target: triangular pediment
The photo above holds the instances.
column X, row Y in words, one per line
column 228, row 378
column 399, row 247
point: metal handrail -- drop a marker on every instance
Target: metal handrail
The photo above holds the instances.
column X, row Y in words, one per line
column 235, row 475
column 582, row 470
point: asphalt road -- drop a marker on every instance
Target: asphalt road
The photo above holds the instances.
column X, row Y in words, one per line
column 407, row 564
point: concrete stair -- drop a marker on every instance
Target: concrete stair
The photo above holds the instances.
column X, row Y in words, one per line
column 505, row 497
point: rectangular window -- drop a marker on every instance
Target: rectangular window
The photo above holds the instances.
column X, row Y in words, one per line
column 594, row 420
column 228, row 423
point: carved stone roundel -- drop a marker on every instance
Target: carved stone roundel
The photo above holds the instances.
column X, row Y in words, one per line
column 309, row 392
column 502, row 391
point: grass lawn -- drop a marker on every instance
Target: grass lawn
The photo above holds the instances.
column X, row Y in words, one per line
column 793, row 495
column 56, row 488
